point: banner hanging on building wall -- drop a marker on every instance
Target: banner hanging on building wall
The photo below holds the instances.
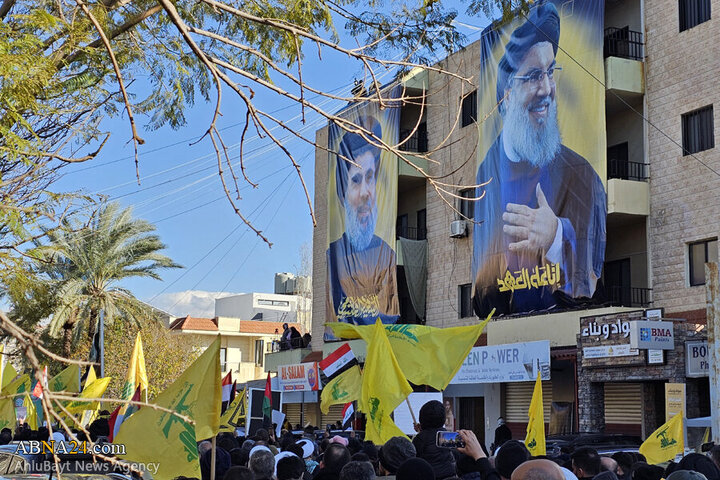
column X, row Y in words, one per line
column 539, row 236
column 299, row 377
column 362, row 206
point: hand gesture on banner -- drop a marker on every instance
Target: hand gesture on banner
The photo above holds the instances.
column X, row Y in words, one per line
column 534, row 228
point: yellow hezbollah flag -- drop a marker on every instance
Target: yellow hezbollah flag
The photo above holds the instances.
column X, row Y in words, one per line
column 7, row 414
column 426, row 355
column 665, row 442
column 150, row 434
column 19, row 385
column 535, row 438
column 235, row 414
column 8, row 374
column 66, row 381
column 30, row 412
column 383, row 388
column 94, row 389
column 136, row 374
column 344, row 388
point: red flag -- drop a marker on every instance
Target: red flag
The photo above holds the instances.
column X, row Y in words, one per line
column 38, row 390
column 227, row 385
column 267, row 404
column 116, row 418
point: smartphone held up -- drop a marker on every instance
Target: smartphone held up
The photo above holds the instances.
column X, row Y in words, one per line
column 449, row 440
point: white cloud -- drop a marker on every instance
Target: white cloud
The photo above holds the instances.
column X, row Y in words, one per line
column 196, row 303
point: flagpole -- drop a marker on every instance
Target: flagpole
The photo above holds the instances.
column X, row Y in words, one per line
column 102, row 343
column 212, row 458
column 412, row 414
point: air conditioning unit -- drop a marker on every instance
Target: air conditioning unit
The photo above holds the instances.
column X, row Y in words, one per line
column 458, row 229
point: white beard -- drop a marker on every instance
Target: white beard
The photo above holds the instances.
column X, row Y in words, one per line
column 359, row 236
column 536, row 144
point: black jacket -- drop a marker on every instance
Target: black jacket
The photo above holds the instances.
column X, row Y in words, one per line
column 441, row 459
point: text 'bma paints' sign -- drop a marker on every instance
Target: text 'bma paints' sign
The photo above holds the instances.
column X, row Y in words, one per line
column 697, row 359
column 652, row 335
column 513, row 362
column 299, row 377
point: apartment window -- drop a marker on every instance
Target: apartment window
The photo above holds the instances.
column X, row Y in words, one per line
column 223, row 359
column 697, row 130
column 466, row 205
column 274, row 303
column 465, row 300
column 700, row 253
column 693, row 13
column 259, row 352
column 469, row 109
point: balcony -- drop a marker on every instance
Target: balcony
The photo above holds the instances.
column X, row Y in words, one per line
column 624, row 55
column 411, row 233
column 623, row 43
column 627, row 170
column 623, row 296
column 285, row 357
column 414, row 141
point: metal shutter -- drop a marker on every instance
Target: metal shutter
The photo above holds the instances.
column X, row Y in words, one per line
column 623, row 403
column 517, row 400
column 333, row 415
column 292, row 412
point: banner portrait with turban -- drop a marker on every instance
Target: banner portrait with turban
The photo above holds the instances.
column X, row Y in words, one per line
column 539, row 236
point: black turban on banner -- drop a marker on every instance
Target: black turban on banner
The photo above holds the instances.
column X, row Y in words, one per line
column 542, row 25
column 352, row 146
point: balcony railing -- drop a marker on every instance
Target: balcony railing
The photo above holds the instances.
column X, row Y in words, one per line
column 627, row 170
column 411, row 233
column 624, row 43
column 417, row 142
column 623, row 296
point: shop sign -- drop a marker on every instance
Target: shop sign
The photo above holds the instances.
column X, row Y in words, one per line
column 651, row 334
column 697, row 359
column 299, row 377
column 513, row 362
column 609, row 351
column 604, row 330
column 674, row 399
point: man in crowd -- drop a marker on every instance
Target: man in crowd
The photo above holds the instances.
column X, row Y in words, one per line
column 585, row 463
column 545, row 207
column 394, row 453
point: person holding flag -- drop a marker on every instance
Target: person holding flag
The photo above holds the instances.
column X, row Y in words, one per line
column 666, row 442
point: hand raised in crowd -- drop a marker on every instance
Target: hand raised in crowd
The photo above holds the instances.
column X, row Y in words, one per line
column 472, row 446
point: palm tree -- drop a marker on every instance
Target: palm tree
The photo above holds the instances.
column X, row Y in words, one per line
column 86, row 264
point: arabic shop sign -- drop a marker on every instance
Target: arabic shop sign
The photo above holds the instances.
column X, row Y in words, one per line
column 604, row 340
column 651, row 334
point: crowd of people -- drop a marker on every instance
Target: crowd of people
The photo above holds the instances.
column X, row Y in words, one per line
column 264, row 457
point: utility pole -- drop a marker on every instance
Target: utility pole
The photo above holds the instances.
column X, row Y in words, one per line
column 712, row 290
column 101, row 353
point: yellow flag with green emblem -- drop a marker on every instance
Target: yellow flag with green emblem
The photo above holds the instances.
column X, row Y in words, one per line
column 149, row 435
column 94, row 389
column 66, row 381
column 665, row 442
column 7, row 414
column 535, row 438
column 136, row 374
column 344, row 388
column 235, row 413
column 426, row 355
column 30, row 412
column 19, row 385
column 384, row 387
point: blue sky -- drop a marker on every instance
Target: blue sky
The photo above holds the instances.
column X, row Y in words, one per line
column 181, row 193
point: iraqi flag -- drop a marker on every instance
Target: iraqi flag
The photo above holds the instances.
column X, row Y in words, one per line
column 348, row 415
column 338, row 361
column 227, row 386
column 267, row 404
column 117, row 418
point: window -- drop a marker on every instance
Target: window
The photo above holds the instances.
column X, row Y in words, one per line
column 401, row 226
column 422, row 224
column 469, row 109
column 697, row 130
column 259, row 352
column 700, row 253
column 465, row 300
column 274, row 303
column 223, row 359
column 693, row 13
column 467, row 206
